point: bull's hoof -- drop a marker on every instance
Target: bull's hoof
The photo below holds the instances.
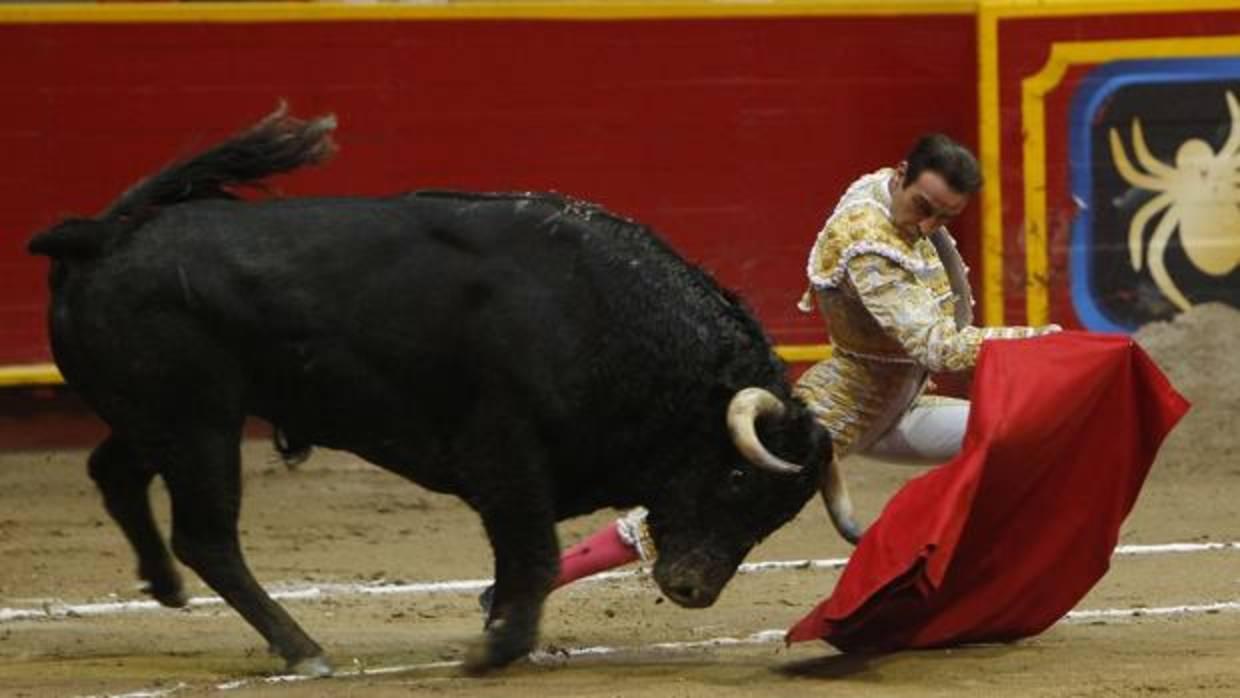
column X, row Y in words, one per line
column 162, row 583
column 494, row 651
column 170, row 596
column 477, row 660
column 480, row 660
column 315, row 667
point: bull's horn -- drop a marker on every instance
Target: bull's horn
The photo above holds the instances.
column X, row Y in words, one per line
column 839, row 503
column 743, row 412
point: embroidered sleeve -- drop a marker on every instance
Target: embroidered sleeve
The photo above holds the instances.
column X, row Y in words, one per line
column 909, row 313
column 831, row 278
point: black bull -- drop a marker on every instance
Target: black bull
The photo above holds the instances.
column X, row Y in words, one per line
column 535, row 356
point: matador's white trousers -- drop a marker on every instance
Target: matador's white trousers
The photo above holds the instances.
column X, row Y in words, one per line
column 929, row 433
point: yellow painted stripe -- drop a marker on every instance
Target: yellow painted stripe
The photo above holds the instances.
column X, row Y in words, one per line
column 803, row 353
column 1058, row 8
column 1033, row 107
column 989, row 132
column 30, row 374
column 85, row 12
column 468, row 9
column 1037, row 249
column 47, row 374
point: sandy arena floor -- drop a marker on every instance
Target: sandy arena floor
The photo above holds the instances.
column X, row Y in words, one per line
column 337, row 525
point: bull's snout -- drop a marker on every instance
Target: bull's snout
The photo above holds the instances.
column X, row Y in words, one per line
column 689, row 596
column 694, row 580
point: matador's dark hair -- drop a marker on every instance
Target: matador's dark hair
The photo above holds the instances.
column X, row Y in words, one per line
column 938, row 153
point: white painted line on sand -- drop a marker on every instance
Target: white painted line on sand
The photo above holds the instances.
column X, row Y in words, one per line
column 54, row 609
column 1140, row 611
column 283, row 591
column 143, row 693
column 565, row 655
column 1164, row 548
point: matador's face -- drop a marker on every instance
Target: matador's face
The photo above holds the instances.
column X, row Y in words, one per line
column 923, row 205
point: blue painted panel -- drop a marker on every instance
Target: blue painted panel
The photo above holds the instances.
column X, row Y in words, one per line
column 1176, row 101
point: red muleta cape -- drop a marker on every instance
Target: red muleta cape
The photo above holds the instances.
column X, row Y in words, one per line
column 1006, row 538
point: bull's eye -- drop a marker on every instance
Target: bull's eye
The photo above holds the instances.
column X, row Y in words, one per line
column 737, row 480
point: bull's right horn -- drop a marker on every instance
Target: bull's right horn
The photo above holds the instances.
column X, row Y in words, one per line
column 839, row 504
column 743, row 412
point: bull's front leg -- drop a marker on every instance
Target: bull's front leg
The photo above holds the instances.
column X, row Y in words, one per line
column 526, row 559
column 519, row 517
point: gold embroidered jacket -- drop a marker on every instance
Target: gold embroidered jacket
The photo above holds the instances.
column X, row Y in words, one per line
column 891, row 314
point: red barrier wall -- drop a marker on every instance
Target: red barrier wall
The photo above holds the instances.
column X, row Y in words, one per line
column 732, row 136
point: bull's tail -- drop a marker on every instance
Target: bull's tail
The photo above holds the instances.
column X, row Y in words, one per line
column 278, row 143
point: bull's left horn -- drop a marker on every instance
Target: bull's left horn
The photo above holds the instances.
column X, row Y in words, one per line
column 743, row 412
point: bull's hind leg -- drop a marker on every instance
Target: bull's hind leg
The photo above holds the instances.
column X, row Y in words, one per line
column 203, row 473
column 124, row 481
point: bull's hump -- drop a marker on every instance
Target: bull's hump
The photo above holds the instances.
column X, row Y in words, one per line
column 528, row 202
